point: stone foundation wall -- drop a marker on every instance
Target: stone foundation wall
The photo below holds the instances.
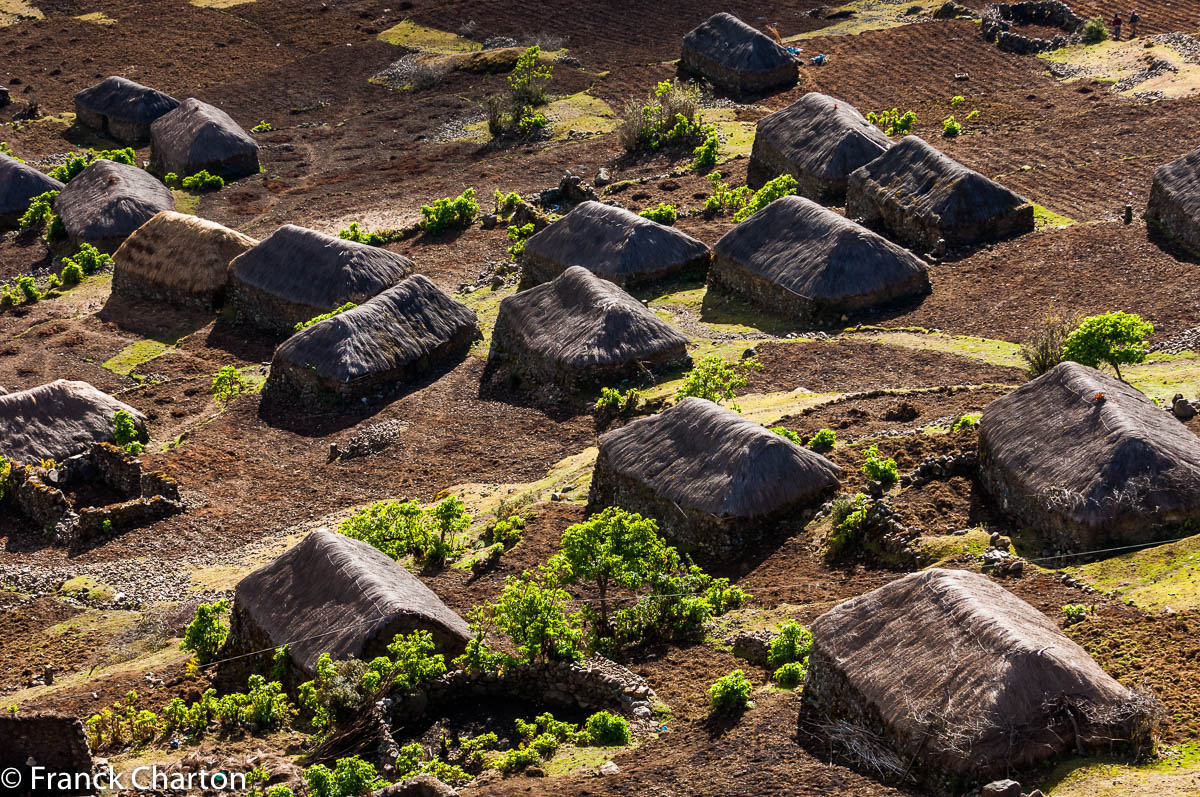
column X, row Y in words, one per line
column 1171, row 216
column 744, row 83
column 53, row 741
column 536, row 270
column 253, row 307
column 45, row 505
column 1000, row 19
column 126, row 284
column 767, row 163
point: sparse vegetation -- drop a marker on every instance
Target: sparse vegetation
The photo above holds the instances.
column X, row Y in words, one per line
column 7, row 150
column 880, row 469
column 716, row 380
column 454, row 213
column 227, row 385
column 517, row 113
column 1114, row 339
column 262, row 127
column 302, row 325
column 783, row 185
column 893, row 123
column 614, row 402
column 671, row 117
column 663, row 214
column 951, row 127
column 730, row 693
column 788, row 434
column 1076, row 612
column 74, row 164
column 723, row 198
column 518, row 236
column 823, row 440
column 371, row 238
column 1044, row 349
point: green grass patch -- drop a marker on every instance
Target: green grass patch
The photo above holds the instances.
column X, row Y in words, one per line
column 568, row 759
column 1164, row 375
column 869, row 15
column 1164, row 575
column 941, row 548
column 430, row 40
column 136, row 354
column 1044, row 218
column 87, row 588
column 996, row 352
column 185, row 201
column 1173, row 773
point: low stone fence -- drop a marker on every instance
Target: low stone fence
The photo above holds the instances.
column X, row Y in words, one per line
column 53, row 741
column 1000, row 19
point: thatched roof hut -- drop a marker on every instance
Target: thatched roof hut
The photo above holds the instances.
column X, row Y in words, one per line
column 19, row 183
column 807, row 262
column 107, row 201
column 712, row 479
column 580, row 330
column 337, row 595
column 964, row 680
column 612, row 243
column 196, row 136
column 1088, row 462
column 818, row 140
column 919, row 195
column 375, row 348
column 297, row 274
column 737, row 57
column 1175, row 199
column 179, row 259
column 122, row 109
column 58, row 420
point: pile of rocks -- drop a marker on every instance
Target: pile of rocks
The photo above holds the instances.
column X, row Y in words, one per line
column 945, row 466
column 1000, row 19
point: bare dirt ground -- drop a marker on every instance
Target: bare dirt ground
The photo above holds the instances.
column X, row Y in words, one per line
column 344, row 148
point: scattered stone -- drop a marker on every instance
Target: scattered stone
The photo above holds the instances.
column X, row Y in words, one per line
column 417, row 786
column 609, row 768
column 1182, row 408
column 603, row 177
column 1001, row 788
column 752, row 646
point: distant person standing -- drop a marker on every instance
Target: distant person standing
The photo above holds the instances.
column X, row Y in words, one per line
column 1133, row 21
column 1116, row 26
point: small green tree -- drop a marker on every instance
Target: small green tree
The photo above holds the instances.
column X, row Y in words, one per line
column 614, row 548
column 227, row 385
column 534, row 616
column 1114, row 338
column 716, row 380
column 350, row 777
column 529, row 78
column 206, row 632
column 125, row 432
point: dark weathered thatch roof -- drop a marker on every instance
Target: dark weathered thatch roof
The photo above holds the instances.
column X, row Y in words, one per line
column 579, row 321
column 333, row 594
column 19, row 183
column 58, row 420
column 815, row 253
column 198, row 136
column 1175, row 198
column 309, row 267
column 612, row 243
column 174, row 253
column 410, row 322
column 107, row 201
column 913, row 179
column 1062, row 460
column 711, row 459
column 125, row 101
column 815, row 138
column 735, row 45
column 964, row 677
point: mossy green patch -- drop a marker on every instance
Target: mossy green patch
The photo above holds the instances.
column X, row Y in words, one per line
column 486, row 304
column 869, row 15
column 431, row 40
column 137, row 353
column 185, row 201
column 220, row 3
column 571, row 477
column 1153, row 578
column 737, row 137
column 108, row 622
column 1164, row 375
column 568, row 759
column 1045, row 218
column 87, row 588
column 996, row 352
column 938, row 549
column 588, row 115
column 1174, row 773
column 1112, row 62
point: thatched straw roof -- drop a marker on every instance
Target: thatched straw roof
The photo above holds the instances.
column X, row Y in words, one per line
column 799, row 258
column 19, row 183
column 818, row 140
column 737, row 57
column 179, row 258
column 581, row 327
column 1175, row 199
column 962, row 677
column 311, row 268
column 122, row 108
column 107, row 201
column 58, row 420
column 919, row 195
column 704, row 457
column 333, row 594
column 612, row 243
column 1085, row 472
column 399, row 334
column 197, row 136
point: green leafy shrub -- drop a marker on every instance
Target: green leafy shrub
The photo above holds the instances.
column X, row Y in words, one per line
column 730, row 693
column 790, row 674
column 671, row 117
column 89, row 259
column 964, row 422
column 823, row 440
column 206, row 632
column 125, row 432
column 951, row 127
column 879, row 468
column 5, row 473
column 506, row 203
column 227, row 384
column 507, row 532
column 608, row 730
column 705, row 155
column 450, row 214
column 529, row 78
column 615, row 402
column 337, row 311
column 518, row 236
column 957, row 100
column 371, row 238
column 41, row 209
column 74, row 164
column 403, row 528
column 663, row 214
column 972, row 115
column 535, row 617
column 792, row 644
column 893, row 123
column 1076, row 612
column 848, row 516
column 723, row 197
column 1094, row 31
column 203, row 181
column 788, row 434
column 262, row 127
column 410, row 663
column 7, row 150
column 122, row 724
column 716, row 380
column 528, row 121
column 783, row 185
column 1114, row 338
column 350, row 777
